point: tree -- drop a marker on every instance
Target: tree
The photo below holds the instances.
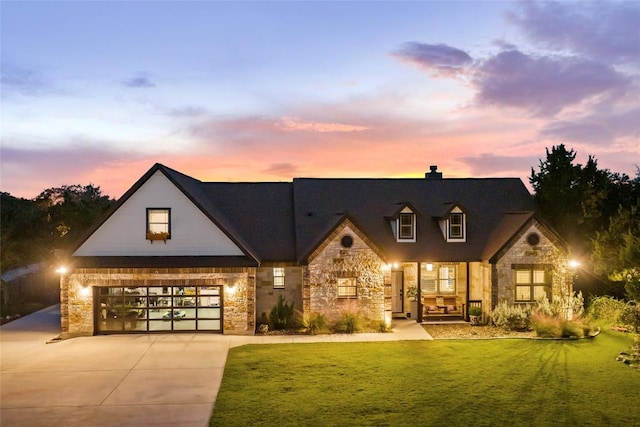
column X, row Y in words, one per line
column 23, row 232
column 616, row 250
column 72, row 209
column 555, row 191
column 595, row 211
column 30, row 230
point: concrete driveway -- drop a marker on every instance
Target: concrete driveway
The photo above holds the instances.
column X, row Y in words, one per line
column 125, row 380
column 121, row 380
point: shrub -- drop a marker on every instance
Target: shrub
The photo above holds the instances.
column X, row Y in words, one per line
column 348, row 322
column 610, row 311
column 571, row 329
column 281, row 315
column 546, row 326
column 512, row 317
column 314, row 323
column 570, row 306
column 378, row 326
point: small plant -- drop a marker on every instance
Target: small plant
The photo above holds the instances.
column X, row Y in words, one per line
column 475, row 311
column 281, row 315
column 314, row 323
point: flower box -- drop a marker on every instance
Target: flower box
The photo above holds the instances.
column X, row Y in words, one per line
column 157, row 236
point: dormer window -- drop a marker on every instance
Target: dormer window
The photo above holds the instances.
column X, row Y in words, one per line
column 406, row 226
column 456, row 226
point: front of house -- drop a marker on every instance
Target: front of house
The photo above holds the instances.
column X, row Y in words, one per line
column 178, row 254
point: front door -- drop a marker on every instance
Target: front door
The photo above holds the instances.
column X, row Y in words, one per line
column 397, row 292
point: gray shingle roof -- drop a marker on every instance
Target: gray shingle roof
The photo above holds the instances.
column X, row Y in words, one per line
column 368, row 201
column 286, row 221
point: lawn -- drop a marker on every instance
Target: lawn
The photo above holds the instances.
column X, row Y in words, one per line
column 431, row 383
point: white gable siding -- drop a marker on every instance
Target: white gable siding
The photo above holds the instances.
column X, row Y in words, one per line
column 124, row 233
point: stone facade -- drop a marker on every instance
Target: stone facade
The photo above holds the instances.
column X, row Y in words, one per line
column 77, row 291
column 545, row 255
column 267, row 295
column 332, row 261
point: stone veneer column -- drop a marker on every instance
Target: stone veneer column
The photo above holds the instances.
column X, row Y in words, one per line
column 64, row 304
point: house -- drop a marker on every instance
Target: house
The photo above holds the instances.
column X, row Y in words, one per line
column 179, row 254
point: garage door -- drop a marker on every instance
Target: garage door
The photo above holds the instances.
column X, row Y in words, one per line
column 158, row 309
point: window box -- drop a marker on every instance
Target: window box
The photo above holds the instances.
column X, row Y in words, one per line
column 157, row 236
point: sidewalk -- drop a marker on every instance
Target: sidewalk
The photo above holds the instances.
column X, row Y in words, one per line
column 126, row 380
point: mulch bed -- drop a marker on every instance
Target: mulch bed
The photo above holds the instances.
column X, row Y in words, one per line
column 466, row 331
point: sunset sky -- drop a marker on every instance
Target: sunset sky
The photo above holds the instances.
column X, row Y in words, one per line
column 97, row 92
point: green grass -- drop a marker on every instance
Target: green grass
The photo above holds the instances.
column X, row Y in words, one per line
column 431, row 383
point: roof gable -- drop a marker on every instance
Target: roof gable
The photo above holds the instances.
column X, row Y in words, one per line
column 124, row 232
column 343, row 223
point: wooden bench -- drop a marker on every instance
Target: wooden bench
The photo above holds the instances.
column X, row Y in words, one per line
column 442, row 306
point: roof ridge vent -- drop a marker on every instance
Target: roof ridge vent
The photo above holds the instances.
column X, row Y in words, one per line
column 433, row 174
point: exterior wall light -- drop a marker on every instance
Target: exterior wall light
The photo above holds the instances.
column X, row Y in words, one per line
column 574, row 263
column 231, row 289
column 429, row 267
column 85, row 291
column 61, row 270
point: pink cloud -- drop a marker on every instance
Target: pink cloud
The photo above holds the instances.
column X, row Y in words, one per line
column 291, row 124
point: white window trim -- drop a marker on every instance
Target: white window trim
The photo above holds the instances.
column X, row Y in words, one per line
column 447, row 226
column 406, row 211
column 279, row 278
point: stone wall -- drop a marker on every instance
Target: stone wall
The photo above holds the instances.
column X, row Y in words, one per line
column 267, row 296
column 546, row 253
column 359, row 261
column 77, row 290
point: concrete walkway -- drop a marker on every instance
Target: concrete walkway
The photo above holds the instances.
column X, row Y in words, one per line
column 125, row 380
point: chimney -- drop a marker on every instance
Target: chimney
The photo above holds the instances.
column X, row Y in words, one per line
column 433, row 174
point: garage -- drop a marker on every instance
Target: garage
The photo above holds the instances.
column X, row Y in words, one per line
column 168, row 307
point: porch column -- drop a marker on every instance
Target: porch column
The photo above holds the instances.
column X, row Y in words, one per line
column 419, row 318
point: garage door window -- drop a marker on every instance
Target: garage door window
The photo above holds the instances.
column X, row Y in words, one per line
column 159, row 309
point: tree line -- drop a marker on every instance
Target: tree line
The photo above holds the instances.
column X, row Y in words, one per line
column 31, row 230
column 596, row 211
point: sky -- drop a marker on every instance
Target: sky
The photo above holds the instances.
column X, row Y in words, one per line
column 97, row 92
